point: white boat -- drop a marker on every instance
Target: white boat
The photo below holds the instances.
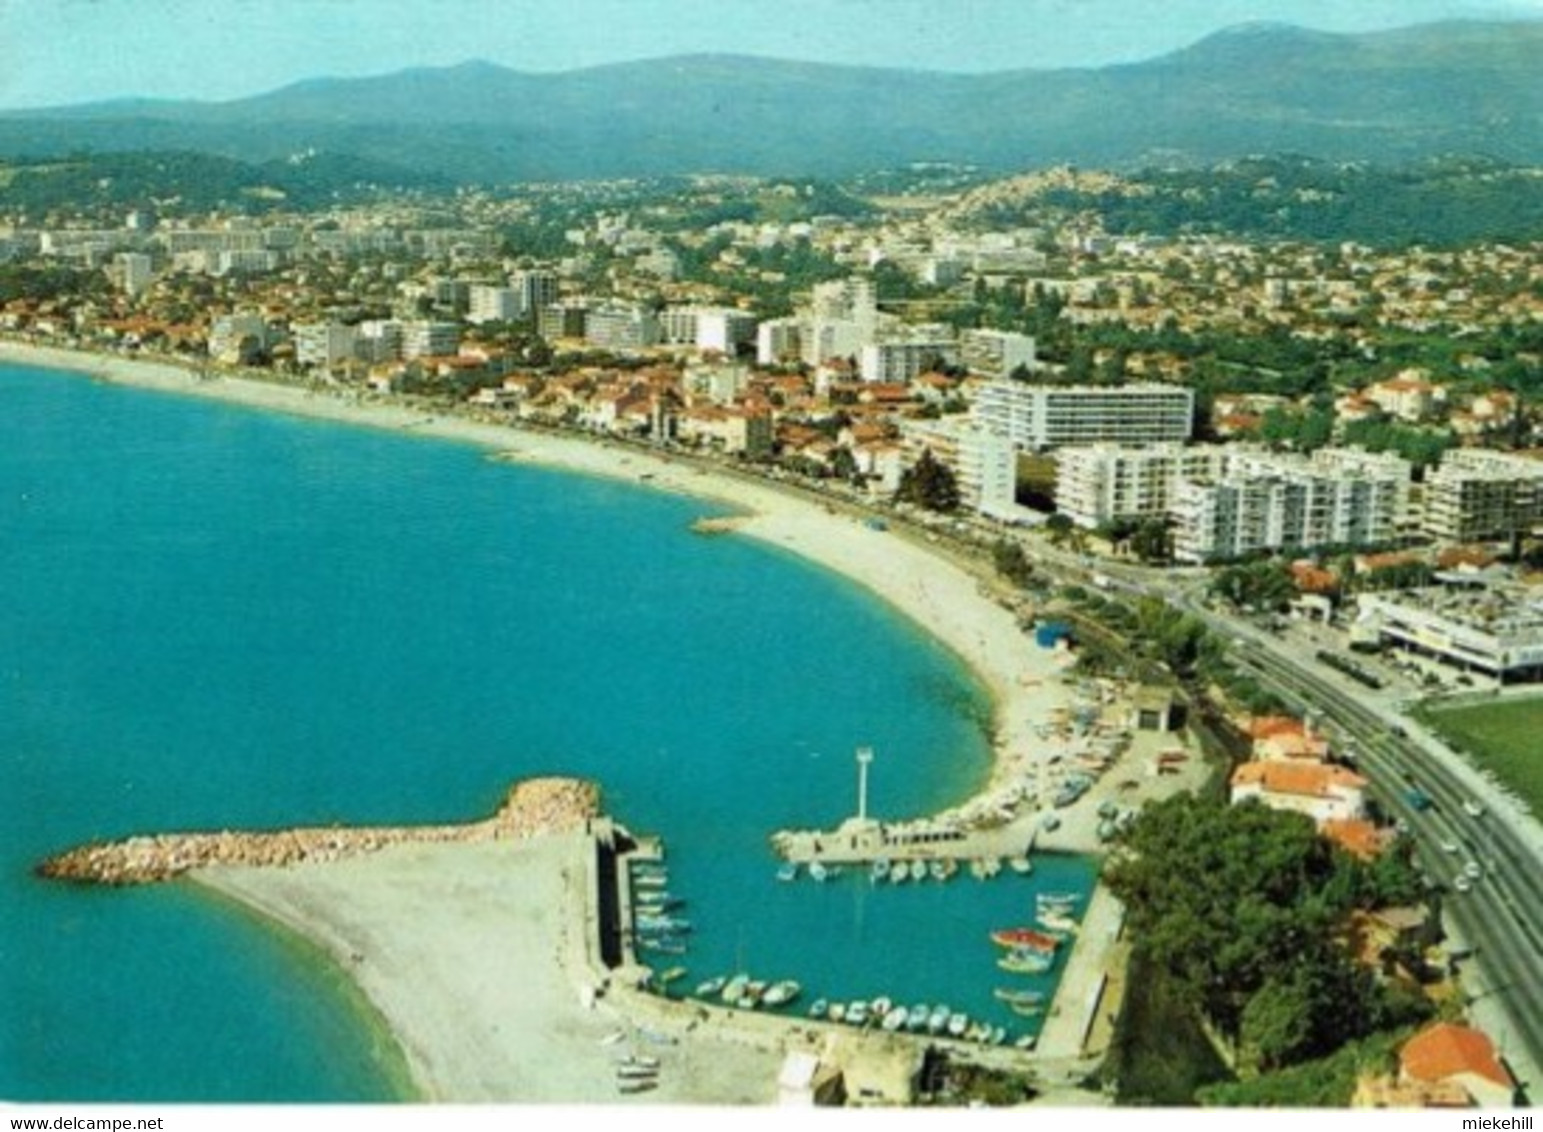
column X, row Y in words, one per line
column 817, row 871
column 937, row 1020
column 1058, row 898
column 788, row 872
column 916, row 1017
column 878, row 870
column 1020, row 865
column 1056, row 921
column 857, row 1013
column 894, row 1018
column 957, row 1024
column 819, row 1008
column 937, row 870
column 1024, row 962
column 918, row 870
column 899, row 872
column 711, row 986
column 837, row 1012
column 1014, row 997
column 734, row 989
column 781, row 993
column 881, row 1005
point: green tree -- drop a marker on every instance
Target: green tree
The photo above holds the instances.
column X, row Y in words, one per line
column 929, row 483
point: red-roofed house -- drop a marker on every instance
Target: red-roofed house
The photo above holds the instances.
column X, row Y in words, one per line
column 1319, row 790
column 1282, row 737
column 1358, row 837
column 1444, row 1053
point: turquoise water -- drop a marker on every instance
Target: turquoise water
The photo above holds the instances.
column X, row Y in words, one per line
column 212, row 617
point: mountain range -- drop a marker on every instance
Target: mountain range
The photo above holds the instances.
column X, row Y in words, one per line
column 1388, row 97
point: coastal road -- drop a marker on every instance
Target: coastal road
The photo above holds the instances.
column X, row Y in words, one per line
column 1500, row 916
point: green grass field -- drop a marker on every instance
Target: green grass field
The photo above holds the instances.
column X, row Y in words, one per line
column 1505, row 737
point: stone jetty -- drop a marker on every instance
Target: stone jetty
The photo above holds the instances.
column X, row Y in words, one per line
column 535, row 806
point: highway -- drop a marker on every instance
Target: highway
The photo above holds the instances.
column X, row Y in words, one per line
column 1499, row 917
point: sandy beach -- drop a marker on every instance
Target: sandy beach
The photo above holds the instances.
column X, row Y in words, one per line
column 474, row 954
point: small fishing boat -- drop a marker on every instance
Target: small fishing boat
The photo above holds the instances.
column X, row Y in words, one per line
column 1030, row 938
column 711, row 986
column 671, row 975
column 899, row 872
column 636, row 1084
column 837, row 1012
column 781, row 993
column 881, row 1005
column 957, row 1024
column 894, row 1019
column 937, row 871
column 819, row 1008
column 818, row 871
column 1056, row 921
column 916, row 1017
column 1020, row 962
column 998, row 1035
column 629, row 1072
column 918, row 870
column 1067, row 898
column 857, row 1013
column 878, row 870
column 641, row 1061
column 1026, row 1042
column 1014, row 997
column 755, row 990
column 788, row 872
column 1020, row 865
column 1025, row 1009
column 734, row 989
column 938, row 1019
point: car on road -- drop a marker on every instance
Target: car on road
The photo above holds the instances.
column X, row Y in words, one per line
column 1472, row 871
column 1473, row 809
column 1462, row 884
column 1449, row 847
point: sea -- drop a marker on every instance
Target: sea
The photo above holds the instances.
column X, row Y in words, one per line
column 214, row 617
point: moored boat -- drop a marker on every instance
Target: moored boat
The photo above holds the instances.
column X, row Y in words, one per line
column 837, row 1012
column 894, row 1019
column 857, row 1013
column 781, row 993
column 1025, row 963
column 734, row 989
column 817, row 871
column 916, row 1017
column 1020, row 865
column 918, row 870
column 878, row 870
column 957, row 1024
column 1056, row 921
column 1015, row 997
column 819, row 1008
column 881, row 1005
column 711, row 986
column 788, row 871
column 1025, row 1009
column 938, row 1019
column 1030, row 938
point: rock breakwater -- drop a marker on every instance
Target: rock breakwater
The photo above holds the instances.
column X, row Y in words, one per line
column 535, row 806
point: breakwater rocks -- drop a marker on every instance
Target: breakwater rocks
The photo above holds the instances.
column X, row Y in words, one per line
column 532, row 807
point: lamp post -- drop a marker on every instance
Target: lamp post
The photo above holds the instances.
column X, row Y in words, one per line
column 864, row 757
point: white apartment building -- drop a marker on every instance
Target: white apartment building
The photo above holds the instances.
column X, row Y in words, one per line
column 1497, row 631
column 1100, row 483
column 324, row 343
column 778, row 340
column 492, row 304
column 996, row 354
column 379, row 340
column 621, row 326
column 985, row 464
column 724, row 329
column 430, row 339
column 902, row 358
column 1263, row 501
column 135, row 271
column 1477, row 493
column 1037, row 417
column 229, row 333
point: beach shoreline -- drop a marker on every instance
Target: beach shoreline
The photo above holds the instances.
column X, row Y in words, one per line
column 941, row 597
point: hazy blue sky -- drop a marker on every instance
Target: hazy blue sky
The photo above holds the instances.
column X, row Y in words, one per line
column 65, row 51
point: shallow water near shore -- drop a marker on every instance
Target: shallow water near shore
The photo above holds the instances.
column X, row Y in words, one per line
column 214, row 617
